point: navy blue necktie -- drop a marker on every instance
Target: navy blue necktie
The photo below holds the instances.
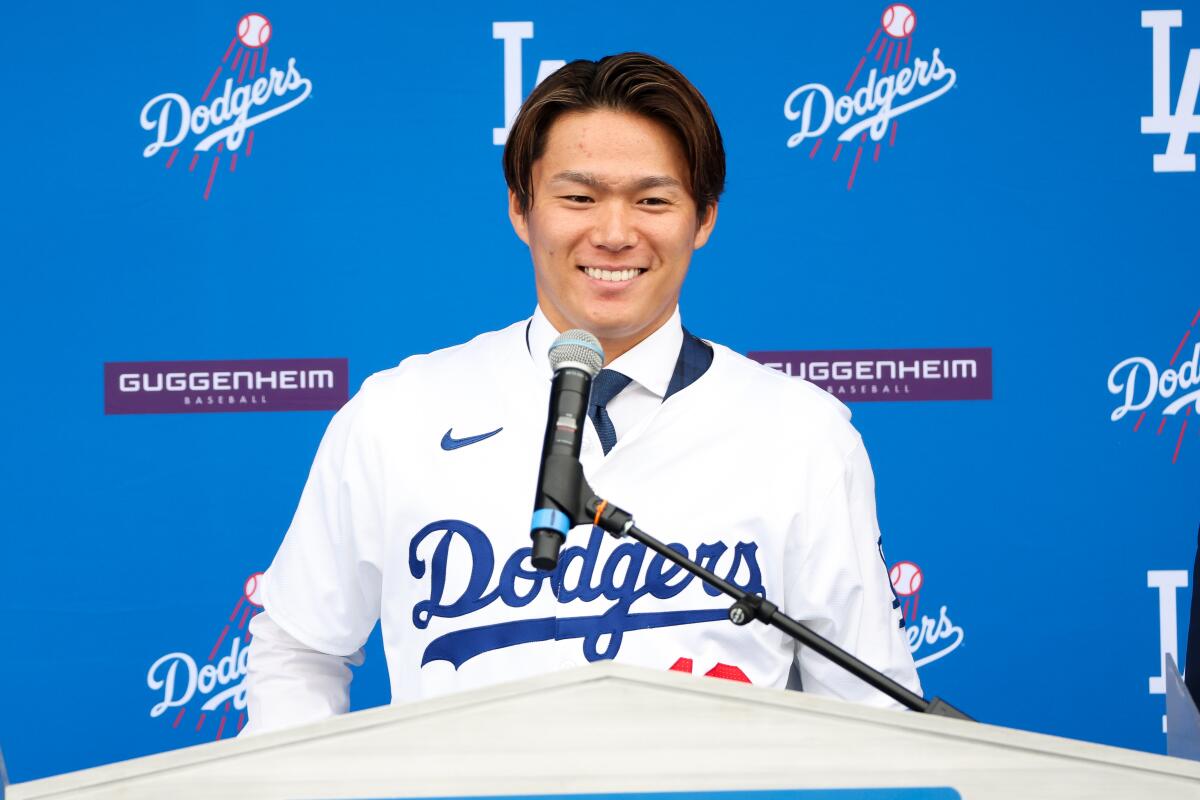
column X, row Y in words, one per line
column 605, row 386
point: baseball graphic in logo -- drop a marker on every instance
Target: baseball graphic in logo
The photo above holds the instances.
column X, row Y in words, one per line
column 254, row 30
column 906, row 578
column 899, row 21
column 251, row 589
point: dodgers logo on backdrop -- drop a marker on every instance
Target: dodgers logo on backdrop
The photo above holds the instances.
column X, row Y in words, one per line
column 930, row 638
column 895, row 84
column 212, row 690
column 616, row 584
column 223, row 125
column 1183, row 121
column 1141, row 384
column 950, row 373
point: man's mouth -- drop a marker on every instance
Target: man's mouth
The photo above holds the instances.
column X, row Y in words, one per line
column 612, row 275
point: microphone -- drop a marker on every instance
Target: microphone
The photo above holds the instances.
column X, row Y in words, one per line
column 576, row 357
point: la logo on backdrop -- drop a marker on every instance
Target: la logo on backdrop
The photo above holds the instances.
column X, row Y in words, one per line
column 512, row 34
column 202, row 696
column 895, row 83
column 1177, row 125
column 224, row 127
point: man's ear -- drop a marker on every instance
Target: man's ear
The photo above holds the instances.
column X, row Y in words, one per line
column 704, row 229
column 519, row 223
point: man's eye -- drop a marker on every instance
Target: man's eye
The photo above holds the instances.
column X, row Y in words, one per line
column 576, row 198
column 654, row 201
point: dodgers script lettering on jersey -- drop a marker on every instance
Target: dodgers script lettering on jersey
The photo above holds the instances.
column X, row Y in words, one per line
column 620, row 581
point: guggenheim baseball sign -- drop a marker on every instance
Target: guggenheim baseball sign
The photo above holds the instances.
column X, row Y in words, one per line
column 180, row 387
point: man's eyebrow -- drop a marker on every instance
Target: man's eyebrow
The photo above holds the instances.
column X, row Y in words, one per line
column 657, row 182
column 573, row 176
column 641, row 184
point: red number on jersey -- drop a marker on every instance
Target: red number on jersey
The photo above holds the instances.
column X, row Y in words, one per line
column 725, row 671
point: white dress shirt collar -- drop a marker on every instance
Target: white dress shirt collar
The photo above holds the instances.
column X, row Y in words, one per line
column 650, row 363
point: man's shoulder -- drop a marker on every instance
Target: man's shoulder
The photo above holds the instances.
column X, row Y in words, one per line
column 425, row 381
column 457, row 363
column 759, row 385
column 792, row 406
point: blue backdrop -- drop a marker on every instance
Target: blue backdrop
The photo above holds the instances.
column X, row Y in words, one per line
column 1019, row 210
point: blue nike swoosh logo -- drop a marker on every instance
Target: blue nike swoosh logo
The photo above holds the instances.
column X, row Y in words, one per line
column 450, row 443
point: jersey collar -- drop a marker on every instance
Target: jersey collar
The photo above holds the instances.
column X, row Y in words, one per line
column 652, row 362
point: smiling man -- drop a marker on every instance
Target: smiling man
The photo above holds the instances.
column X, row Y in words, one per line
column 416, row 511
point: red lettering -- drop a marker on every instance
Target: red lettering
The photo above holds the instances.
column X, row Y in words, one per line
column 727, row 672
column 723, row 671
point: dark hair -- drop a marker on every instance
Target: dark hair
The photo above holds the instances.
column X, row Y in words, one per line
column 633, row 82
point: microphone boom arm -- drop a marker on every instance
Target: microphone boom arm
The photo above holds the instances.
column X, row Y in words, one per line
column 566, row 486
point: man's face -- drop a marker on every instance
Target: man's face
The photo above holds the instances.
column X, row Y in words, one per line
column 612, row 226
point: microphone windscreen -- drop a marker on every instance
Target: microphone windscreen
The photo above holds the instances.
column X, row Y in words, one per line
column 577, row 348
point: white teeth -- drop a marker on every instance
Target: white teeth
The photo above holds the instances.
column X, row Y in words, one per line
column 611, row 274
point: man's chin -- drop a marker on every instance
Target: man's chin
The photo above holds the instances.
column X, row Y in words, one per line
column 611, row 326
column 624, row 331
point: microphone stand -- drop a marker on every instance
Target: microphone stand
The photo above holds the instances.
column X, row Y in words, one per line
column 566, row 485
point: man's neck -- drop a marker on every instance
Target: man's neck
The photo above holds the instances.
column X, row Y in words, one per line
column 651, row 362
column 614, row 347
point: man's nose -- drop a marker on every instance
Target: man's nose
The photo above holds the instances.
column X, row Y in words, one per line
column 614, row 228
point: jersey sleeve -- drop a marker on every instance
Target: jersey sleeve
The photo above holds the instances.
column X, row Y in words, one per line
column 323, row 587
column 838, row 585
column 288, row 683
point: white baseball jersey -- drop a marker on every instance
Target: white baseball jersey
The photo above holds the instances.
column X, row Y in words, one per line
column 417, row 511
